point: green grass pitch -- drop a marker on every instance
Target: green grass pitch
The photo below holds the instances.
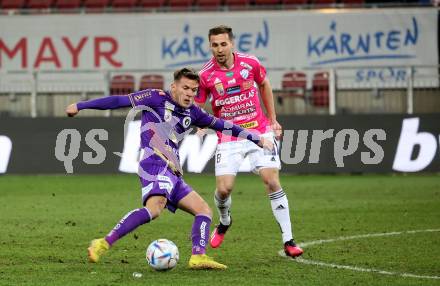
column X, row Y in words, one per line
column 46, row 223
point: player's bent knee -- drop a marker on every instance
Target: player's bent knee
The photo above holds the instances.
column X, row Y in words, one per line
column 272, row 185
column 156, row 205
column 224, row 192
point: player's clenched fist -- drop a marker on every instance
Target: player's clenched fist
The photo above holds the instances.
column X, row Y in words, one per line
column 277, row 129
column 72, row 110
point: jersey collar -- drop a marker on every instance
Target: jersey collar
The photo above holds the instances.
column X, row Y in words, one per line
column 218, row 67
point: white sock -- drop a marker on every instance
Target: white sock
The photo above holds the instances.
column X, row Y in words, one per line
column 280, row 209
column 223, row 207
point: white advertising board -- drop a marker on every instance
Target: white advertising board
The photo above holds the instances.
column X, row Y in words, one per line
column 380, row 39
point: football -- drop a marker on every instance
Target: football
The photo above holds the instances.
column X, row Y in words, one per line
column 162, row 254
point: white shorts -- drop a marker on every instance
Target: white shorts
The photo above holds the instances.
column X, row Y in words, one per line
column 229, row 156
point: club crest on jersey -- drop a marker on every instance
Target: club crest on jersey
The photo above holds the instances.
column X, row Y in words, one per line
column 219, row 86
column 244, row 73
column 186, row 122
column 247, row 84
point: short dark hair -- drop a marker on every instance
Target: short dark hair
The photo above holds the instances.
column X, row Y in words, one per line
column 186, row 72
column 222, row 29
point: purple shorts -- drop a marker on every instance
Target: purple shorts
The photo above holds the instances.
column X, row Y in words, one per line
column 163, row 182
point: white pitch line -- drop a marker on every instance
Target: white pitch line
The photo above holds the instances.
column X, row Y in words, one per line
column 361, row 269
column 321, row 241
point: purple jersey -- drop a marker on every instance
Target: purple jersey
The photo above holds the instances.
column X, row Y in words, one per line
column 164, row 124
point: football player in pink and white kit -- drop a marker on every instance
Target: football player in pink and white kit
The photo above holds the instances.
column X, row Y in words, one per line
column 231, row 79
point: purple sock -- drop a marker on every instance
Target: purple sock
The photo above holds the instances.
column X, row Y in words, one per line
column 200, row 233
column 128, row 223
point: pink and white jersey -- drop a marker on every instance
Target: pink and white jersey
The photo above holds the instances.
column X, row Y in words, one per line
column 234, row 94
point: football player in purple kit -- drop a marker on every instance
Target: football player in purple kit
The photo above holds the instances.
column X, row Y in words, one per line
column 166, row 118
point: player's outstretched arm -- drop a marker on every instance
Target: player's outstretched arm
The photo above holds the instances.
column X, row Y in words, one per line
column 205, row 120
column 72, row 110
column 209, row 121
column 102, row 103
column 238, row 131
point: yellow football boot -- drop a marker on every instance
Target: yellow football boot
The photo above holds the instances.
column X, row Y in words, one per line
column 97, row 248
column 203, row 261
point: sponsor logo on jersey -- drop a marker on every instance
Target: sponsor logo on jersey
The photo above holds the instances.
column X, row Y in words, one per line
column 230, row 74
column 169, row 105
column 232, row 81
column 165, row 183
column 252, row 124
column 245, row 65
column 165, row 186
column 233, row 89
column 234, row 99
column 164, row 178
column 240, row 115
column 168, row 115
column 142, row 95
column 244, row 73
